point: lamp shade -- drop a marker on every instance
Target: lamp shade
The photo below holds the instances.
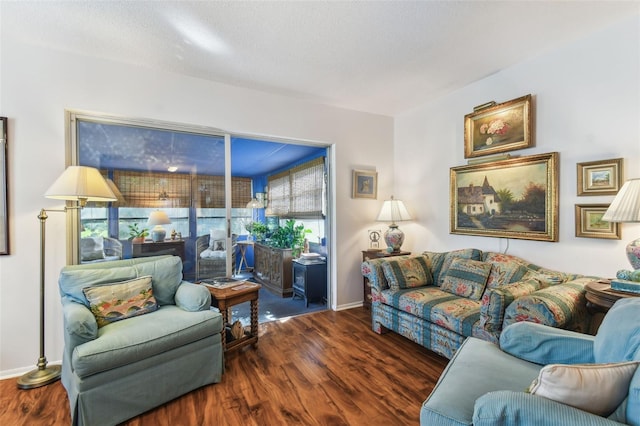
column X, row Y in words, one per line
column 393, row 211
column 255, row 204
column 626, row 206
column 158, row 217
column 80, row 183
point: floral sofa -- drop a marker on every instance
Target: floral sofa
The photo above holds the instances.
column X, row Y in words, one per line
column 440, row 299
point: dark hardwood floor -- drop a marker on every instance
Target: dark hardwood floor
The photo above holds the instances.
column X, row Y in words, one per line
column 324, row 368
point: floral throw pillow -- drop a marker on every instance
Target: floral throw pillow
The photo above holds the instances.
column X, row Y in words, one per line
column 466, row 278
column 407, row 272
column 118, row 301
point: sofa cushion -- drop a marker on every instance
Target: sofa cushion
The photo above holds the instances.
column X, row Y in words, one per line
column 495, row 301
column 407, row 272
column 122, row 300
column 596, row 388
column 125, row 342
column 466, row 278
column 439, row 262
column 73, row 279
column 167, row 276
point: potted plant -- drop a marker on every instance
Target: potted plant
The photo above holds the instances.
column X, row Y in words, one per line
column 137, row 235
column 290, row 236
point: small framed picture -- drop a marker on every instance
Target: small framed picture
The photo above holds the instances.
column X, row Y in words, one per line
column 365, row 184
column 492, row 128
column 589, row 223
column 602, row 177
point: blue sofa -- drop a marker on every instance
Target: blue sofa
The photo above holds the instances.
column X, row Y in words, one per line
column 117, row 371
column 441, row 318
column 484, row 384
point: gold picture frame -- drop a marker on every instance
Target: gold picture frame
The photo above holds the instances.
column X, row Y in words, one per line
column 365, row 184
column 4, row 198
column 498, row 128
column 514, row 198
column 589, row 223
column 603, row 177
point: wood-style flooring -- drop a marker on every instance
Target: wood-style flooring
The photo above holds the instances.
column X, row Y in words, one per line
column 324, row 368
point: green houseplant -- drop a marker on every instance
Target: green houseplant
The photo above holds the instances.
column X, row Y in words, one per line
column 290, row 236
column 137, row 235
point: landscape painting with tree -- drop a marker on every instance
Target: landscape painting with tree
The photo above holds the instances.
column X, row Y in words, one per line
column 514, row 198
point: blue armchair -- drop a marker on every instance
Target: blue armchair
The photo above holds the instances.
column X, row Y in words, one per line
column 114, row 368
column 484, row 384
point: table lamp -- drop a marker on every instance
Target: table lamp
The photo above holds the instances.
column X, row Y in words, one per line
column 157, row 219
column 80, row 184
column 626, row 208
column 393, row 211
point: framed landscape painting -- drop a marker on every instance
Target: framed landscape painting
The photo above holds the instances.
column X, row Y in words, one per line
column 514, row 198
column 589, row 223
column 602, row 177
column 499, row 128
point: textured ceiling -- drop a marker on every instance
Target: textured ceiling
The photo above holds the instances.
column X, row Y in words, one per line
column 382, row 57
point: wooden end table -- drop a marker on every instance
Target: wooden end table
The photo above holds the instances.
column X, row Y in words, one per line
column 600, row 298
column 225, row 298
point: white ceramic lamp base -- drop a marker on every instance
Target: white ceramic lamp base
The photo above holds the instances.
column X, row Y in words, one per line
column 158, row 234
column 394, row 238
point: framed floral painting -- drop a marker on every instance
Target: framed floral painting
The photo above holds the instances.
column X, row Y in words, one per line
column 589, row 223
column 514, row 198
column 492, row 128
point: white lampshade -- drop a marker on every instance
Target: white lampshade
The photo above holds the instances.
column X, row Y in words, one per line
column 80, row 183
column 626, row 206
column 255, row 204
column 393, row 211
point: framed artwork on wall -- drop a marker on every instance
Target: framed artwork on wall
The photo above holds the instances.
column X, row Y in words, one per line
column 589, row 223
column 514, row 198
column 4, row 199
column 365, row 184
column 491, row 128
column 602, row 177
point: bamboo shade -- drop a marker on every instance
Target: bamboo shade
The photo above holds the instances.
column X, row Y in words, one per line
column 151, row 189
column 209, row 191
column 299, row 191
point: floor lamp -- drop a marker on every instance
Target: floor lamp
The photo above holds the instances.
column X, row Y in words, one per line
column 80, row 184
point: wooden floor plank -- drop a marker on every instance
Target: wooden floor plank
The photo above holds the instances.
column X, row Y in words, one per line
column 316, row 369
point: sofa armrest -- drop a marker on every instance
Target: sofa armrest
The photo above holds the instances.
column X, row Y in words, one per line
column 508, row 408
column 496, row 300
column 193, row 297
column 80, row 325
column 372, row 270
column 544, row 345
column 561, row 306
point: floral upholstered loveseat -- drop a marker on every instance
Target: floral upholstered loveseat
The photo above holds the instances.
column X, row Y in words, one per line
column 439, row 299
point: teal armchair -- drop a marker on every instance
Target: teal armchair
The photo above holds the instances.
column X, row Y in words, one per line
column 484, row 384
column 121, row 369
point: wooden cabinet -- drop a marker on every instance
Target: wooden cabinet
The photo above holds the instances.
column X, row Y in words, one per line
column 272, row 269
column 310, row 280
column 375, row 254
column 149, row 248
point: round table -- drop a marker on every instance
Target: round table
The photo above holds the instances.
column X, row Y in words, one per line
column 600, row 297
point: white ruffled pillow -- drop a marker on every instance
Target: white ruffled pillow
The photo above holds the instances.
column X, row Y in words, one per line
column 213, row 254
column 596, row 388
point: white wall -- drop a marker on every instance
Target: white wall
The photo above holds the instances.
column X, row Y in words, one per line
column 38, row 84
column 586, row 102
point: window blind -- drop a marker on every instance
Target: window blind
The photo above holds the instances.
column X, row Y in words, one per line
column 209, row 191
column 299, row 191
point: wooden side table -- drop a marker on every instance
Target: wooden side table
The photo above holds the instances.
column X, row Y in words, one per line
column 225, row 298
column 600, row 298
column 375, row 254
column 242, row 247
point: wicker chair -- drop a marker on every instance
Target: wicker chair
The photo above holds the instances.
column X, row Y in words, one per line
column 213, row 267
column 111, row 250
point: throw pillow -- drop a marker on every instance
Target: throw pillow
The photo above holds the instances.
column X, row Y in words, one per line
column 407, row 272
column 466, row 278
column 91, row 248
column 118, row 301
column 217, row 239
column 596, row 388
